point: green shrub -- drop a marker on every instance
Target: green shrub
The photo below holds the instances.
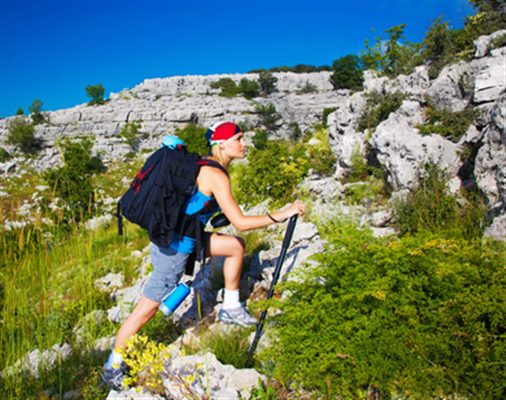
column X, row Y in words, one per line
column 499, row 41
column 96, row 93
column 322, row 158
column 308, row 88
column 228, row 87
column 195, row 138
column 442, row 121
column 20, row 111
column 22, row 135
column 130, row 132
column 348, row 73
column 249, row 88
column 268, row 116
column 326, row 113
column 4, row 155
column 260, row 139
column 295, row 131
column 267, row 82
column 372, row 190
column 417, row 317
column 72, row 182
column 378, row 108
column 429, row 207
column 272, row 173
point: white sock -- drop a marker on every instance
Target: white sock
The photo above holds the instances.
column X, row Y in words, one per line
column 114, row 361
column 231, row 299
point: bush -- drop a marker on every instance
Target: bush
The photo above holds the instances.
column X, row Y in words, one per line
column 272, row 173
column 249, row 88
column 4, row 155
column 22, row 135
column 260, row 139
column 499, row 41
column 268, row 116
column 20, row 111
column 326, row 113
column 267, row 82
column 195, row 138
column 442, row 121
column 308, row 88
column 228, row 87
column 348, row 73
column 72, row 182
column 429, row 207
column 322, row 158
column 96, row 93
column 378, row 108
column 35, row 111
column 418, row 317
column 130, row 132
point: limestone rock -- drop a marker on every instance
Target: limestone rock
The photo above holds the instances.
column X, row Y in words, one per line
column 447, row 89
column 490, row 164
column 483, row 43
column 490, row 78
column 109, row 282
column 402, row 152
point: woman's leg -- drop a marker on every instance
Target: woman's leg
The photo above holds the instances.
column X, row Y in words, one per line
column 232, row 248
column 143, row 312
column 232, row 311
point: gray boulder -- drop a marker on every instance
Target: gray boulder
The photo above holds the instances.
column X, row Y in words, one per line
column 402, row 151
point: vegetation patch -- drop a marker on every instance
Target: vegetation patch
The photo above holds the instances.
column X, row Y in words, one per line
column 377, row 109
column 442, row 121
column 416, row 317
column 22, row 135
column 228, row 87
column 431, row 208
column 194, row 137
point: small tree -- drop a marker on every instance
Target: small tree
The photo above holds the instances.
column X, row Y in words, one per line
column 347, row 73
column 22, row 135
column 249, row 88
column 35, row 111
column 96, row 93
column 267, row 82
column 20, row 111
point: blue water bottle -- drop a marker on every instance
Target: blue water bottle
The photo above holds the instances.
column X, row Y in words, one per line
column 175, row 297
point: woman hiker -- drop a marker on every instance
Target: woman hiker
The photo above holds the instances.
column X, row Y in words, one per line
column 227, row 143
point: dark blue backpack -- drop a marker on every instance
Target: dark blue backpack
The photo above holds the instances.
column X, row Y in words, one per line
column 158, row 195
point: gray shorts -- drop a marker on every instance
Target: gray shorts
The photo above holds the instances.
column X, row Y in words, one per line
column 168, row 268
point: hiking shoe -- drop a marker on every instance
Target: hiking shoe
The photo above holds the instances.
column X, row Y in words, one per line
column 238, row 316
column 113, row 377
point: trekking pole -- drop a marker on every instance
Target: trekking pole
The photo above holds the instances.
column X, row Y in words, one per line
column 284, row 247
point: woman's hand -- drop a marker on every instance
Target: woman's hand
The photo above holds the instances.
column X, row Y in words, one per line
column 295, row 208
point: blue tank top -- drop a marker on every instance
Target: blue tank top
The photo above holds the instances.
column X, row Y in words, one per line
column 196, row 203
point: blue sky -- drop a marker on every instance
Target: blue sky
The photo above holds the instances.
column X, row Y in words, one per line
column 51, row 50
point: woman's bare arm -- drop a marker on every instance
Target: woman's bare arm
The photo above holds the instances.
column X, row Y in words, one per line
column 220, row 187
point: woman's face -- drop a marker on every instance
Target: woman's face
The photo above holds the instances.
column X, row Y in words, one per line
column 235, row 146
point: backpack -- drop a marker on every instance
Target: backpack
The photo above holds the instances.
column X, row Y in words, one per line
column 158, row 195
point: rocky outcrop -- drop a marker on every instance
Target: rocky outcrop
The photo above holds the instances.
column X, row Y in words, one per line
column 399, row 148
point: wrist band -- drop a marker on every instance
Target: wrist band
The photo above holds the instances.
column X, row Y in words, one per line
column 272, row 218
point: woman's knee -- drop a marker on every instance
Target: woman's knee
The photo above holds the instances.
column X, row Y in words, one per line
column 239, row 246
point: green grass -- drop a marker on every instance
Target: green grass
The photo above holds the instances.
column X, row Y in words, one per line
column 49, row 288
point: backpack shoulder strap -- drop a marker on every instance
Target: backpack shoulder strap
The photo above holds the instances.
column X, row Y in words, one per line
column 212, row 163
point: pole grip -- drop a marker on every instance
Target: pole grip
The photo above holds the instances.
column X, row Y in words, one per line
column 289, row 231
